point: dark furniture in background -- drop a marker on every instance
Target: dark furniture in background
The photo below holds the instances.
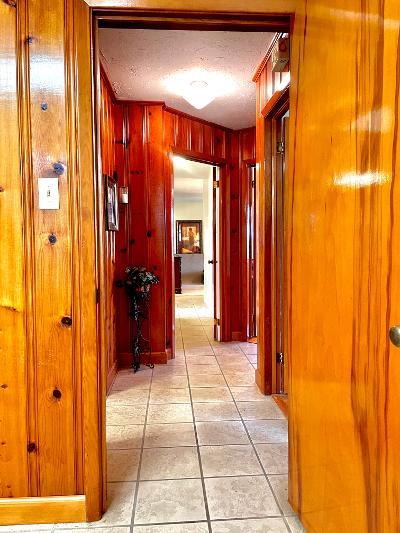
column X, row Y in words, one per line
column 178, row 274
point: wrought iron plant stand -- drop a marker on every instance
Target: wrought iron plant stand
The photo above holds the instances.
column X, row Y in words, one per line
column 137, row 283
column 139, row 303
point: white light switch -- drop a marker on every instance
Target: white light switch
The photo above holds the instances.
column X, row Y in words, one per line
column 49, row 196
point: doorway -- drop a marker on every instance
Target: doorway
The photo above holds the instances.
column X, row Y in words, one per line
column 196, row 240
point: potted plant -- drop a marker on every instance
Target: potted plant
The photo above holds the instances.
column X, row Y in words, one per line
column 139, row 280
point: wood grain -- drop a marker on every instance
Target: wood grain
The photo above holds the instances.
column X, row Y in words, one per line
column 344, row 266
column 13, row 389
column 45, row 510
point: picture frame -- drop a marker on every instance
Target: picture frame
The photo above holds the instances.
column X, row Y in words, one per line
column 111, row 203
column 189, row 237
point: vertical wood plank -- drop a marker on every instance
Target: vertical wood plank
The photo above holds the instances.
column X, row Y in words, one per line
column 13, row 388
column 53, row 277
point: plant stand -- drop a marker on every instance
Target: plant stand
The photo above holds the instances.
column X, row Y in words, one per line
column 139, row 311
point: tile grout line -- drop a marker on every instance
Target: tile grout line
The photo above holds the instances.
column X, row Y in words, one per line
column 256, row 452
column 198, row 447
column 135, row 498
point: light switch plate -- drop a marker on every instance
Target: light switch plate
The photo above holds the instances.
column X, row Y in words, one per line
column 49, row 196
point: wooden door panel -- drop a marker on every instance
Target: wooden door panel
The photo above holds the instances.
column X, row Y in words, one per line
column 343, row 268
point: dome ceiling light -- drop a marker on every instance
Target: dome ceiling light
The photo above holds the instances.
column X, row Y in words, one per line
column 199, row 87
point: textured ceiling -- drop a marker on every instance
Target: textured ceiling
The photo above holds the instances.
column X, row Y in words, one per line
column 138, row 62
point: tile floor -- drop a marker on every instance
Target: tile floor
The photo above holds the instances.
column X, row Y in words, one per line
column 193, row 447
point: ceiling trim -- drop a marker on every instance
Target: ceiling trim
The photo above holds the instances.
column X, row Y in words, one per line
column 264, row 61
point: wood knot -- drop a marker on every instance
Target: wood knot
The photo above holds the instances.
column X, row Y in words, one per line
column 4, row 386
column 11, row 3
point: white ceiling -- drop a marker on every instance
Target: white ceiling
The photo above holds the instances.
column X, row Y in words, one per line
column 189, row 178
column 138, row 62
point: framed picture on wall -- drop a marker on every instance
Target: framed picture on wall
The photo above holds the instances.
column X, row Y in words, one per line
column 189, row 238
column 111, row 203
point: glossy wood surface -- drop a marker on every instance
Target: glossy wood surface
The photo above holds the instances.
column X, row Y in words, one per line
column 13, row 390
column 344, row 269
column 108, row 133
column 269, row 90
column 44, row 510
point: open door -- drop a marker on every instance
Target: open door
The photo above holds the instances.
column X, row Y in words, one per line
column 216, row 260
column 251, row 255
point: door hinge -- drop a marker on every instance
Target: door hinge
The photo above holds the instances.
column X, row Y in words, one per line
column 280, row 147
column 280, row 358
column 217, row 322
column 216, row 184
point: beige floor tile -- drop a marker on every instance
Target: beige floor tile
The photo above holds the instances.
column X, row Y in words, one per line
column 232, row 367
column 210, row 380
column 255, row 525
column 170, row 463
column 211, row 394
column 267, row 431
column 215, row 433
column 124, row 437
column 38, row 528
column 128, row 397
column 170, row 501
column 169, row 413
column 203, row 370
column 239, row 379
column 169, row 370
column 122, row 465
column 200, row 360
column 199, row 351
column 119, row 504
column 233, row 460
column 279, row 485
column 260, row 410
column 249, row 497
column 252, row 358
column 213, row 411
column 161, row 396
column 274, row 457
column 169, row 382
column 122, row 415
column 295, row 525
column 248, row 394
column 137, row 381
column 169, row 435
column 197, row 527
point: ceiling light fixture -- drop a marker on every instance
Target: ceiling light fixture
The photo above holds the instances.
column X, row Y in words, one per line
column 199, row 87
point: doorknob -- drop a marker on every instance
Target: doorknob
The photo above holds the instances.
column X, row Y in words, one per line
column 394, row 335
column 210, row 262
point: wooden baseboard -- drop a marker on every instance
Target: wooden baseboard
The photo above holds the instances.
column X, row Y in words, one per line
column 44, row 510
column 237, row 336
column 111, row 375
column 157, row 358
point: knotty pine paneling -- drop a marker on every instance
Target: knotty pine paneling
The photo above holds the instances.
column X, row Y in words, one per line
column 108, row 135
column 52, row 293
column 344, row 266
column 13, row 386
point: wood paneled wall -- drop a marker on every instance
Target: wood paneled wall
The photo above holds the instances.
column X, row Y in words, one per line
column 14, row 465
column 109, row 122
column 269, row 87
column 153, row 134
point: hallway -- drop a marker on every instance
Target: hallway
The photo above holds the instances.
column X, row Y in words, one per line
column 226, row 472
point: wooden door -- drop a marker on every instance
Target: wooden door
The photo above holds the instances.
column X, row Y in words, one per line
column 216, row 259
column 344, row 266
column 251, row 254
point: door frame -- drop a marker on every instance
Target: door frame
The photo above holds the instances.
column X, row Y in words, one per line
column 81, row 98
column 218, row 239
column 266, row 374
